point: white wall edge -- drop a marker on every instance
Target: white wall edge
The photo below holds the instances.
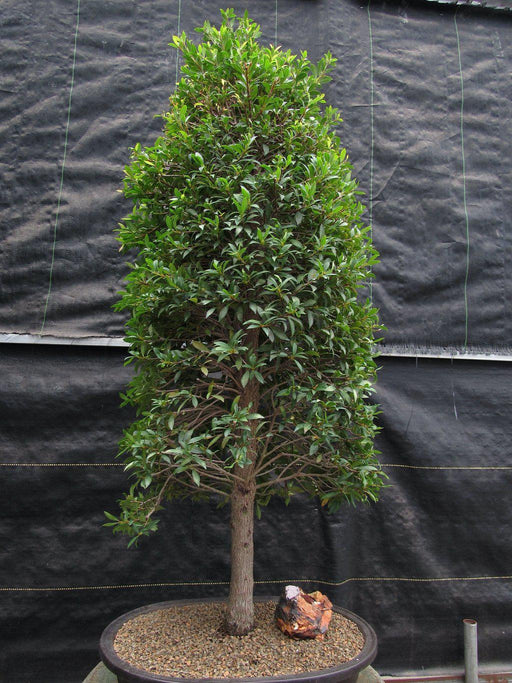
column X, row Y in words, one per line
column 383, row 351
column 444, row 354
column 48, row 339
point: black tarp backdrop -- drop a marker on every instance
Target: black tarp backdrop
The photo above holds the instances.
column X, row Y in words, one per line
column 412, row 564
column 425, row 93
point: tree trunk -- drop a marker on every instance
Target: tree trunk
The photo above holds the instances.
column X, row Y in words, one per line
column 240, row 611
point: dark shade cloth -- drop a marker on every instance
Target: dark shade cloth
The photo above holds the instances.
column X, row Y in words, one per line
column 434, row 550
column 425, row 93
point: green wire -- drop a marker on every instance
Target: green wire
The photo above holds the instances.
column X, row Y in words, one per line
column 275, row 28
column 466, row 278
column 177, row 51
column 370, row 207
column 59, row 198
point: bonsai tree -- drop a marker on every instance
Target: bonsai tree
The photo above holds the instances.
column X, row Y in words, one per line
column 251, row 341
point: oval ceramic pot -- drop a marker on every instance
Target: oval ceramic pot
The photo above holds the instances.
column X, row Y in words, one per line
column 126, row 673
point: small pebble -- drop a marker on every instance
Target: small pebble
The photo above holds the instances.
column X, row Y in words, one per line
column 187, row 641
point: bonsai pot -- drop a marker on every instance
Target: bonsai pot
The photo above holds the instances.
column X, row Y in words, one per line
column 126, row 673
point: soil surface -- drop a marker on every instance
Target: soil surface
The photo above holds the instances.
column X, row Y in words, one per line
column 187, row 641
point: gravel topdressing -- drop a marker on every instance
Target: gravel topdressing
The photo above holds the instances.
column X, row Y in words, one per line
column 187, row 641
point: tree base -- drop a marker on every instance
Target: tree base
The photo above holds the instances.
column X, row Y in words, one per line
column 235, row 628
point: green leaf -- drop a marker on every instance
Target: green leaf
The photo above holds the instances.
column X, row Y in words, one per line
column 200, row 346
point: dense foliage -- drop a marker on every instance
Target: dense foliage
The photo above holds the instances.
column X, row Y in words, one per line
column 252, row 343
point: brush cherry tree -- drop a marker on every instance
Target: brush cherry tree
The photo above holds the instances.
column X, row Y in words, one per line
column 252, row 344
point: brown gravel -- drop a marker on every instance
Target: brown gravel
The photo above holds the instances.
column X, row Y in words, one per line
column 187, row 641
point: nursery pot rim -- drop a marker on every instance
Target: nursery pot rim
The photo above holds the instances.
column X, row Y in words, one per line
column 130, row 673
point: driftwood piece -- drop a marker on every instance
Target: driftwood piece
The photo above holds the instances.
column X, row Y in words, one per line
column 303, row 615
